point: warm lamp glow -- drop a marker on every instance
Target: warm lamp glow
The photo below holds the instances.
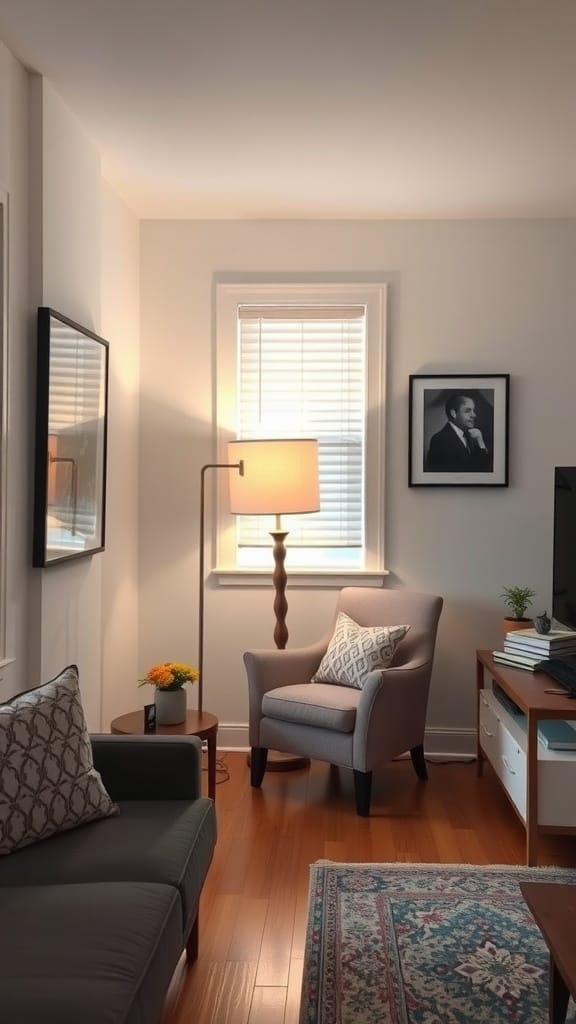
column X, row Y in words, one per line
column 280, row 477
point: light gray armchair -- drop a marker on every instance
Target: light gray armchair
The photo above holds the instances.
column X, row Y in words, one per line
column 355, row 728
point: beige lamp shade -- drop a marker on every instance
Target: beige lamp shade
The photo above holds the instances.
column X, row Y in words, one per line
column 280, row 477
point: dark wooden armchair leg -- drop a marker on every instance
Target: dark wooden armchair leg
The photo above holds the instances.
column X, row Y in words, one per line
column 419, row 761
column 258, row 759
column 192, row 943
column 362, row 792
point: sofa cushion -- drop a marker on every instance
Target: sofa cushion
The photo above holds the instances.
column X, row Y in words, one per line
column 167, row 841
column 355, row 650
column 48, row 782
column 319, row 704
column 99, row 954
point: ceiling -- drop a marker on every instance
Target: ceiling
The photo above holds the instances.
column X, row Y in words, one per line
column 317, row 108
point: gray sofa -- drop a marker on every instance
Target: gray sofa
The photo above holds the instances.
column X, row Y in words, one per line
column 94, row 920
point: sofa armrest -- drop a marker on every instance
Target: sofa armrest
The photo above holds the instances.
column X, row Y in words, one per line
column 149, row 767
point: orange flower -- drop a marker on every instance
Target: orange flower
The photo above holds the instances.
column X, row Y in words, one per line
column 170, row 675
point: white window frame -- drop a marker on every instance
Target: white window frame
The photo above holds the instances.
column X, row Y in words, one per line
column 373, row 296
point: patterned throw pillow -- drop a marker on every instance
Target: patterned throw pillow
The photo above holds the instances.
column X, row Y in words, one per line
column 355, row 650
column 48, row 782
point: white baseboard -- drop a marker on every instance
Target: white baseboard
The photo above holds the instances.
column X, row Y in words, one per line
column 438, row 742
column 446, row 742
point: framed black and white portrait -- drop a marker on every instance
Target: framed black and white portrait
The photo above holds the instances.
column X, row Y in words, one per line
column 458, row 430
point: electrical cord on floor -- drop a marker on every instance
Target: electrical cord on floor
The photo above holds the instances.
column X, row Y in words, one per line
column 221, row 770
column 431, row 759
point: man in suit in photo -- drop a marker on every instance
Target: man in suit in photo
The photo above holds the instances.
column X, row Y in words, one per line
column 459, row 447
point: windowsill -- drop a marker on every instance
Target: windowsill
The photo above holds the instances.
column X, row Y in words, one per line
column 301, row 577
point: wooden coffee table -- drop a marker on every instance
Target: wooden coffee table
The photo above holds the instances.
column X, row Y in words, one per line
column 204, row 725
column 554, row 910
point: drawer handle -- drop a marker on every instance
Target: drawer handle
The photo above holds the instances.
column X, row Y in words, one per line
column 508, row 766
column 486, row 731
column 484, row 701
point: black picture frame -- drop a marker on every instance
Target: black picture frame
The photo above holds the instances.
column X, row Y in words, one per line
column 149, row 718
column 71, row 440
column 444, row 453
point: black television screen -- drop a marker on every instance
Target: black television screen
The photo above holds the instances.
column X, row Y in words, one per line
column 564, row 559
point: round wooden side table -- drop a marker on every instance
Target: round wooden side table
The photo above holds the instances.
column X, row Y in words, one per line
column 203, row 725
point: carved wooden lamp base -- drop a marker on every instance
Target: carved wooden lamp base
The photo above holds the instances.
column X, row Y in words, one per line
column 280, row 478
column 278, row 761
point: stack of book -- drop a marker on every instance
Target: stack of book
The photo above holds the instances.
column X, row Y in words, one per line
column 525, row 648
column 557, row 735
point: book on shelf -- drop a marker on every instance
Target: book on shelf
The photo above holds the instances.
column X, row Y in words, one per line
column 541, row 642
column 552, row 641
column 534, row 645
column 516, row 660
column 533, row 651
column 557, row 734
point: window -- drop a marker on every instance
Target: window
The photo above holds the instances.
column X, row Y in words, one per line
column 308, row 361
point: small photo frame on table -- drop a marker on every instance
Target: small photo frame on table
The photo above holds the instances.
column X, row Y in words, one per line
column 149, row 718
column 458, row 430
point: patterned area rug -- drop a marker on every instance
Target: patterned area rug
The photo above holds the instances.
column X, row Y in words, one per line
column 424, row 944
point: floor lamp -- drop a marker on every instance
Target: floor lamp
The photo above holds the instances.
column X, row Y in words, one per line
column 280, row 478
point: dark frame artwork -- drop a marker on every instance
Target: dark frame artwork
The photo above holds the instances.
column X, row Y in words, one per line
column 458, row 430
column 71, row 440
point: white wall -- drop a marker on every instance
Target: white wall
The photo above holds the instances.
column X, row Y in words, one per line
column 74, row 247
column 90, row 270
column 67, row 171
column 14, row 166
column 471, row 297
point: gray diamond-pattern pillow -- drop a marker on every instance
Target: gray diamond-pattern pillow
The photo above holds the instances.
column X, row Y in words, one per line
column 48, row 782
column 355, row 650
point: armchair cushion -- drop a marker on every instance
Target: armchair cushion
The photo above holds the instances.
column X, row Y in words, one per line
column 48, row 782
column 354, row 651
column 319, row 704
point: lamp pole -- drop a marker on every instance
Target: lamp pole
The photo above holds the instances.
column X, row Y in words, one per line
column 209, row 465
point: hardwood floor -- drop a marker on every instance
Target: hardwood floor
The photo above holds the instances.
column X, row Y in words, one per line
column 254, row 903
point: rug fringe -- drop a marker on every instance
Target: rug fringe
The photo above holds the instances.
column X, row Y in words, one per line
column 423, row 865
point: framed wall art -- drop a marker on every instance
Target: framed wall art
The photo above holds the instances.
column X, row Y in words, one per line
column 458, row 430
column 71, row 430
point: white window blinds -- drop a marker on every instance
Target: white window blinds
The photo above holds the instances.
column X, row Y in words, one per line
column 302, row 373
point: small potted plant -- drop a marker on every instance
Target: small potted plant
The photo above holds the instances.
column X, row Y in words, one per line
column 517, row 600
column 169, row 679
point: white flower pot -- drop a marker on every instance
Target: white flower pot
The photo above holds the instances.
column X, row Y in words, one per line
column 170, row 706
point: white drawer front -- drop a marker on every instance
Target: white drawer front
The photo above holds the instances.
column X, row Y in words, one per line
column 489, row 727
column 511, row 767
column 502, row 750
